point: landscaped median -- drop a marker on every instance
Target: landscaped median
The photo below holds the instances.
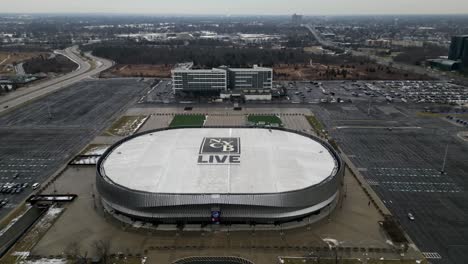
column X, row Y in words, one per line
column 316, row 125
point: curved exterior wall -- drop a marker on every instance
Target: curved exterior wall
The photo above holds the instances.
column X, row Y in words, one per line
column 257, row 207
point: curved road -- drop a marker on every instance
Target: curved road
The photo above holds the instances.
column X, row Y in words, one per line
column 84, row 70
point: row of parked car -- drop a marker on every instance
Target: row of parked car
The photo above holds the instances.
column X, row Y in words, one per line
column 13, row 188
column 458, row 120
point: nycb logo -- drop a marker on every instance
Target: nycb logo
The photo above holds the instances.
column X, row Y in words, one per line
column 219, row 151
column 220, row 145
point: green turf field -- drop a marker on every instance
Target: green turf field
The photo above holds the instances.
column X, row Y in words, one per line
column 267, row 119
column 187, row 120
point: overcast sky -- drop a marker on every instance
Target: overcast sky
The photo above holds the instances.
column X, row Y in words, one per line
column 237, row 7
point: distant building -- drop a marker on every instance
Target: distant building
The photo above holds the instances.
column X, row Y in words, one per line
column 385, row 43
column 407, row 43
column 444, row 64
column 378, row 42
column 457, row 46
column 296, row 19
column 464, row 57
column 256, row 82
column 10, row 83
column 459, row 51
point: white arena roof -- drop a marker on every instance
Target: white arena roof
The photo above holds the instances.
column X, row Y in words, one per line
column 219, row 161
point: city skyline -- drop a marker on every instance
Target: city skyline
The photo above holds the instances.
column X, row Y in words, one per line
column 260, row 7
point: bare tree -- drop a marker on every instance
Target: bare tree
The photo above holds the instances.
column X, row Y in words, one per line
column 102, row 249
column 73, row 250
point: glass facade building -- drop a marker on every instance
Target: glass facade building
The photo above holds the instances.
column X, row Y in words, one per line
column 221, row 79
column 254, row 78
column 189, row 80
column 457, row 47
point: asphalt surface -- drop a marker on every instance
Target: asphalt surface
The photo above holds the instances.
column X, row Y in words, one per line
column 401, row 156
column 41, row 136
column 84, row 70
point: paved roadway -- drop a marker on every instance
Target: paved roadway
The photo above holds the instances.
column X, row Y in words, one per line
column 83, row 71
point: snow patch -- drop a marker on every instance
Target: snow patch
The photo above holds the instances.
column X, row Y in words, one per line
column 21, row 254
column 13, row 221
column 45, row 261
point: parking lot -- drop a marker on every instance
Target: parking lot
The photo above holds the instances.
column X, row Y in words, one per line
column 354, row 222
column 38, row 138
column 375, row 92
column 395, row 145
column 401, row 154
column 315, row 92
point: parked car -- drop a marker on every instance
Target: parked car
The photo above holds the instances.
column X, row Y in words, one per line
column 3, row 202
column 411, row 217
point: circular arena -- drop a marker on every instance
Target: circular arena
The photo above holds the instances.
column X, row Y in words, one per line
column 220, row 175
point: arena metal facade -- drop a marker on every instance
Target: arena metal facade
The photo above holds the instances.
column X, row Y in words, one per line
column 315, row 198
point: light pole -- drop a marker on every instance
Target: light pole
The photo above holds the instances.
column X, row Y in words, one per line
column 442, row 171
column 369, row 108
column 48, row 110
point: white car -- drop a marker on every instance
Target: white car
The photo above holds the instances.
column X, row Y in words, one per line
column 410, row 216
column 35, row 185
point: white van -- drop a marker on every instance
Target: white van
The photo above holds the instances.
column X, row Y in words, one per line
column 35, row 185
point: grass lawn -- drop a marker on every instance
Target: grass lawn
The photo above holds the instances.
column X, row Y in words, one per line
column 188, row 120
column 267, row 119
column 316, row 125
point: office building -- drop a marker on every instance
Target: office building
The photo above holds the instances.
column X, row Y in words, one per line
column 186, row 79
column 250, row 78
column 464, row 57
column 296, row 19
column 457, row 46
column 223, row 80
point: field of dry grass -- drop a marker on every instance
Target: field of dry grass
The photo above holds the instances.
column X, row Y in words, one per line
column 9, row 58
column 139, row 70
column 354, row 71
column 315, row 71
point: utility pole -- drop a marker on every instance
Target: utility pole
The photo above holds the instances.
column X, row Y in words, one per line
column 442, row 171
column 48, row 110
column 369, row 108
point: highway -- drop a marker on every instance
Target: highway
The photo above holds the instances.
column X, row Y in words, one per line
column 85, row 70
column 380, row 60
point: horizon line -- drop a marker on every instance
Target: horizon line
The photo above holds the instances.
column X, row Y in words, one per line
column 229, row 15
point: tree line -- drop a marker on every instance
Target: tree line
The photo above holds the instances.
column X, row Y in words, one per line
column 202, row 56
column 57, row 64
column 205, row 56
